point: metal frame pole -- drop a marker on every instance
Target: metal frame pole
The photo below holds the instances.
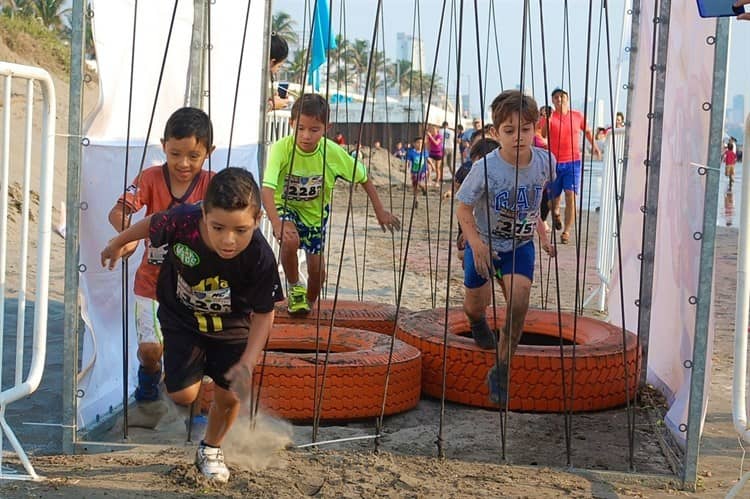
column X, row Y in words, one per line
column 72, row 243
column 650, row 219
column 633, row 48
column 706, row 265
column 196, row 72
column 264, row 90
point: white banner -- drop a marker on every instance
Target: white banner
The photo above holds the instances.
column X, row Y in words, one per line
column 103, row 168
column 689, row 78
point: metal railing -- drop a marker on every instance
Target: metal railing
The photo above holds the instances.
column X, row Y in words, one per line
column 278, row 126
column 22, row 388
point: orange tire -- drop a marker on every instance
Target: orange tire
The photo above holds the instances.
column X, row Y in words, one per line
column 355, row 377
column 370, row 316
column 536, row 374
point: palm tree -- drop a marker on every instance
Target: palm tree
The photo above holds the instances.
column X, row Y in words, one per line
column 283, row 25
column 419, row 84
column 377, row 76
column 49, row 12
column 357, row 56
column 396, row 72
column 295, row 69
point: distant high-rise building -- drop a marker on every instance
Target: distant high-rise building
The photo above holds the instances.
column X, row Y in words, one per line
column 410, row 48
column 738, row 108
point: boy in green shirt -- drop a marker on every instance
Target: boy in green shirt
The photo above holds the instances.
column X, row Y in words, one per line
column 297, row 194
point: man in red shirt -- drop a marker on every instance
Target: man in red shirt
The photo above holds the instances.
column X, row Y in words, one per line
column 561, row 129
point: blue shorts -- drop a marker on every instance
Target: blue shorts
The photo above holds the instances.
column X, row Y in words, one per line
column 311, row 239
column 568, row 178
column 503, row 263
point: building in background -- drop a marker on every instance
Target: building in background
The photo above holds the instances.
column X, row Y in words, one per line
column 410, row 48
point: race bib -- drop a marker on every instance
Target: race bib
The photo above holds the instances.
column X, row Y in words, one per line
column 212, row 302
column 524, row 227
column 156, row 255
column 303, row 188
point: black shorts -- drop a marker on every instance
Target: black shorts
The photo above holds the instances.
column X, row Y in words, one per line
column 188, row 356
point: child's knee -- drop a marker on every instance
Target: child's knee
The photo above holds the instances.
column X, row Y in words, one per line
column 150, row 353
column 186, row 396
column 225, row 399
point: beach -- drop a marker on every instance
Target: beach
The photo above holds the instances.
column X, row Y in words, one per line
column 265, row 461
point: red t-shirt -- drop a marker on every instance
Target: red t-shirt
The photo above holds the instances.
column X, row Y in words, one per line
column 730, row 158
column 563, row 138
column 151, row 189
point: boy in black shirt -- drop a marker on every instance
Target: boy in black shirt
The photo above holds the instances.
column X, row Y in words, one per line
column 218, row 270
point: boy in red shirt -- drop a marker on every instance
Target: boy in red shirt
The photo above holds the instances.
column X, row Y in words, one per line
column 187, row 142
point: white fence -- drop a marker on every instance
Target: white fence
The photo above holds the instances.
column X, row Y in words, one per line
column 278, row 126
column 24, row 387
column 607, row 244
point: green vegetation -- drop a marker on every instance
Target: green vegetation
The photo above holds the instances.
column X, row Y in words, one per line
column 28, row 38
column 349, row 61
column 34, row 30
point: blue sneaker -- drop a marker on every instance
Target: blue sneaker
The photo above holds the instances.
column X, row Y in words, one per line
column 148, row 385
column 497, row 382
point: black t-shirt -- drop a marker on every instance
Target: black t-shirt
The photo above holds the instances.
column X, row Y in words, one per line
column 198, row 291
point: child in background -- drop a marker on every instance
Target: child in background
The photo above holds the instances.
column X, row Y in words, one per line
column 416, row 160
column 478, row 151
column 435, row 146
column 187, row 142
column 218, row 270
column 729, row 158
column 400, row 151
column 516, row 175
column 279, row 51
column 297, row 187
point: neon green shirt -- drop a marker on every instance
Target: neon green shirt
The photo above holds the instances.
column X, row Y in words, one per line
column 306, row 182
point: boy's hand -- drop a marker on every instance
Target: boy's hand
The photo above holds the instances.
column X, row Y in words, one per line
column 460, row 242
column 110, row 254
column 129, row 249
column 240, row 377
column 482, row 259
column 388, row 221
column 288, row 231
column 549, row 249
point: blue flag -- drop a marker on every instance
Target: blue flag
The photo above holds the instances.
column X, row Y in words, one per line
column 322, row 41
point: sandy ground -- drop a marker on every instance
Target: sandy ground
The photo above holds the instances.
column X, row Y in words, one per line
column 265, row 463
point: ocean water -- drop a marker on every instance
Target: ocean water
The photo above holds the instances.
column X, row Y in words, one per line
column 728, row 201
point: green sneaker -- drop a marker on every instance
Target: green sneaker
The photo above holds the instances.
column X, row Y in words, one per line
column 297, row 300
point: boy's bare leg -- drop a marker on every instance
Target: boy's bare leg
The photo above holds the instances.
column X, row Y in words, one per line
column 515, row 317
column 149, row 355
column 222, row 415
column 316, row 276
column 187, row 395
column 554, row 204
column 518, row 305
column 476, row 301
column 570, row 210
column 288, row 257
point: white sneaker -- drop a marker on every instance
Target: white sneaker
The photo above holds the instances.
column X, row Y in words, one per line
column 210, row 462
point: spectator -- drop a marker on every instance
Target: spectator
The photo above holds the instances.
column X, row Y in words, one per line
column 561, row 130
column 448, row 145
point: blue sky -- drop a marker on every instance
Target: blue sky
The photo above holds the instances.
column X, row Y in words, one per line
column 398, row 17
